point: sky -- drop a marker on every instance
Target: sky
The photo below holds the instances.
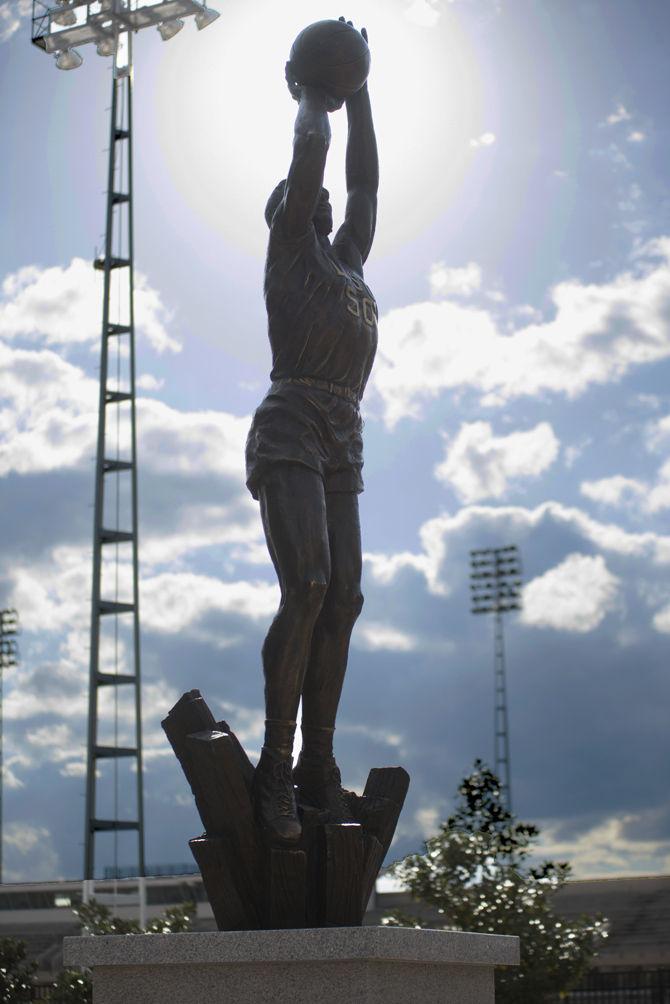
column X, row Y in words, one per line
column 519, row 396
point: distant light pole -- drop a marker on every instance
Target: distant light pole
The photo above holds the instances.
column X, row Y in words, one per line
column 109, row 24
column 9, row 656
column 495, row 584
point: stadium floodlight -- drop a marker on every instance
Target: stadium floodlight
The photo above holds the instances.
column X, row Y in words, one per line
column 93, row 22
column 169, row 29
column 68, row 59
column 205, row 17
column 9, row 657
column 67, row 16
column 495, row 586
column 60, row 28
column 108, row 46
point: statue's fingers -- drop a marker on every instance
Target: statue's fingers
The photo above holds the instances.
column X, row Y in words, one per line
column 364, row 33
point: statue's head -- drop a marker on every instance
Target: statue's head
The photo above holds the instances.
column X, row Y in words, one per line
column 323, row 215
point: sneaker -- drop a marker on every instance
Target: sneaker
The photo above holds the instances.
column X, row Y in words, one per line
column 274, row 797
column 320, row 784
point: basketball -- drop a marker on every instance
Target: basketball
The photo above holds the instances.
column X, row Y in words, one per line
column 333, row 56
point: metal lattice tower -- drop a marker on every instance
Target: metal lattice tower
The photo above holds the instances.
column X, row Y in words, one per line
column 114, row 734
column 116, row 462
column 9, row 656
column 495, row 586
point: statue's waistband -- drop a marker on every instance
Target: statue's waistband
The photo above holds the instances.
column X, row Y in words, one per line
column 332, row 388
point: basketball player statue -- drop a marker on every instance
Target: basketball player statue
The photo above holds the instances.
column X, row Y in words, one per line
column 304, row 450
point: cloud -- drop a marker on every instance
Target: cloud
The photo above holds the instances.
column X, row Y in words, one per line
column 383, row 637
column 605, row 849
column 173, row 601
column 11, row 14
column 599, row 332
column 574, row 596
column 661, row 620
column 486, row 139
column 443, row 535
column 62, row 306
column 479, row 464
column 27, row 845
column 614, row 490
column 463, row 281
column 618, row 115
column 425, row 13
column 637, row 136
column 47, row 412
column 48, row 421
column 658, row 433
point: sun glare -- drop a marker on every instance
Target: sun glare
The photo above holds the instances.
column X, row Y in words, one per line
column 225, row 131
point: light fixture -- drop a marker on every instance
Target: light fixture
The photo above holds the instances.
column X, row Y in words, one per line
column 107, row 46
column 68, row 59
column 205, row 17
column 170, row 28
column 66, row 17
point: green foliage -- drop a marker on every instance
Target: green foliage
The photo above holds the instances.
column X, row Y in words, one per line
column 73, row 986
column 476, row 872
column 15, row 972
column 99, row 919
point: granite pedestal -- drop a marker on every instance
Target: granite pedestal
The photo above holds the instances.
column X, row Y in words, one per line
column 384, row 965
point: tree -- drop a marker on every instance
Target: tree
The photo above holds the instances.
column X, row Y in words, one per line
column 74, row 986
column 16, row 973
column 476, row 872
column 99, row 919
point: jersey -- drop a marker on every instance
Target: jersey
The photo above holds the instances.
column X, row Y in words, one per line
column 322, row 325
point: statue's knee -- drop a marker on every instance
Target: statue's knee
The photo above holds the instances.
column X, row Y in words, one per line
column 344, row 605
column 308, row 595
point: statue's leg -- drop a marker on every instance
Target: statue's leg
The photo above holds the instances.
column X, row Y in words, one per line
column 317, row 773
column 293, row 509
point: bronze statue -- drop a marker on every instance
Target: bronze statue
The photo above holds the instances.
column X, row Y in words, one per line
column 304, row 451
column 271, row 856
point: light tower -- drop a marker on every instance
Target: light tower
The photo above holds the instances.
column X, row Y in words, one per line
column 9, row 655
column 495, row 586
column 114, row 673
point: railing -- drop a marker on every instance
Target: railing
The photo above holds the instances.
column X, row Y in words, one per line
column 631, row 987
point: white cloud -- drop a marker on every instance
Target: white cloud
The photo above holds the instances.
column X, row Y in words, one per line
column 658, row 433
column 618, row 115
column 486, row 139
column 574, row 596
column 598, row 333
column 438, row 536
column 463, row 281
column 173, row 601
column 619, row 490
column 479, row 464
column 661, row 620
column 63, row 306
column 47, row 411
column 614, row 490
column 30, row 853
column 11, row 14
column 604, row 850
column 48, row 421
column 637, row 136
column 147, row 381
column 425, row 13
column 383, row 637
column 191, row 442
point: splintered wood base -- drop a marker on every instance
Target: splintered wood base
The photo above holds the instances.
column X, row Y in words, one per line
column 324, row 880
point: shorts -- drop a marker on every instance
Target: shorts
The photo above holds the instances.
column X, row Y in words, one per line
column 300, row 424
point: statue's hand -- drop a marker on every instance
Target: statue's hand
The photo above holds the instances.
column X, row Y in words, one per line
column 364, row 31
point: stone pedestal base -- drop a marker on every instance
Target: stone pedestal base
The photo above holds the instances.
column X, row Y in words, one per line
column 369, row 965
